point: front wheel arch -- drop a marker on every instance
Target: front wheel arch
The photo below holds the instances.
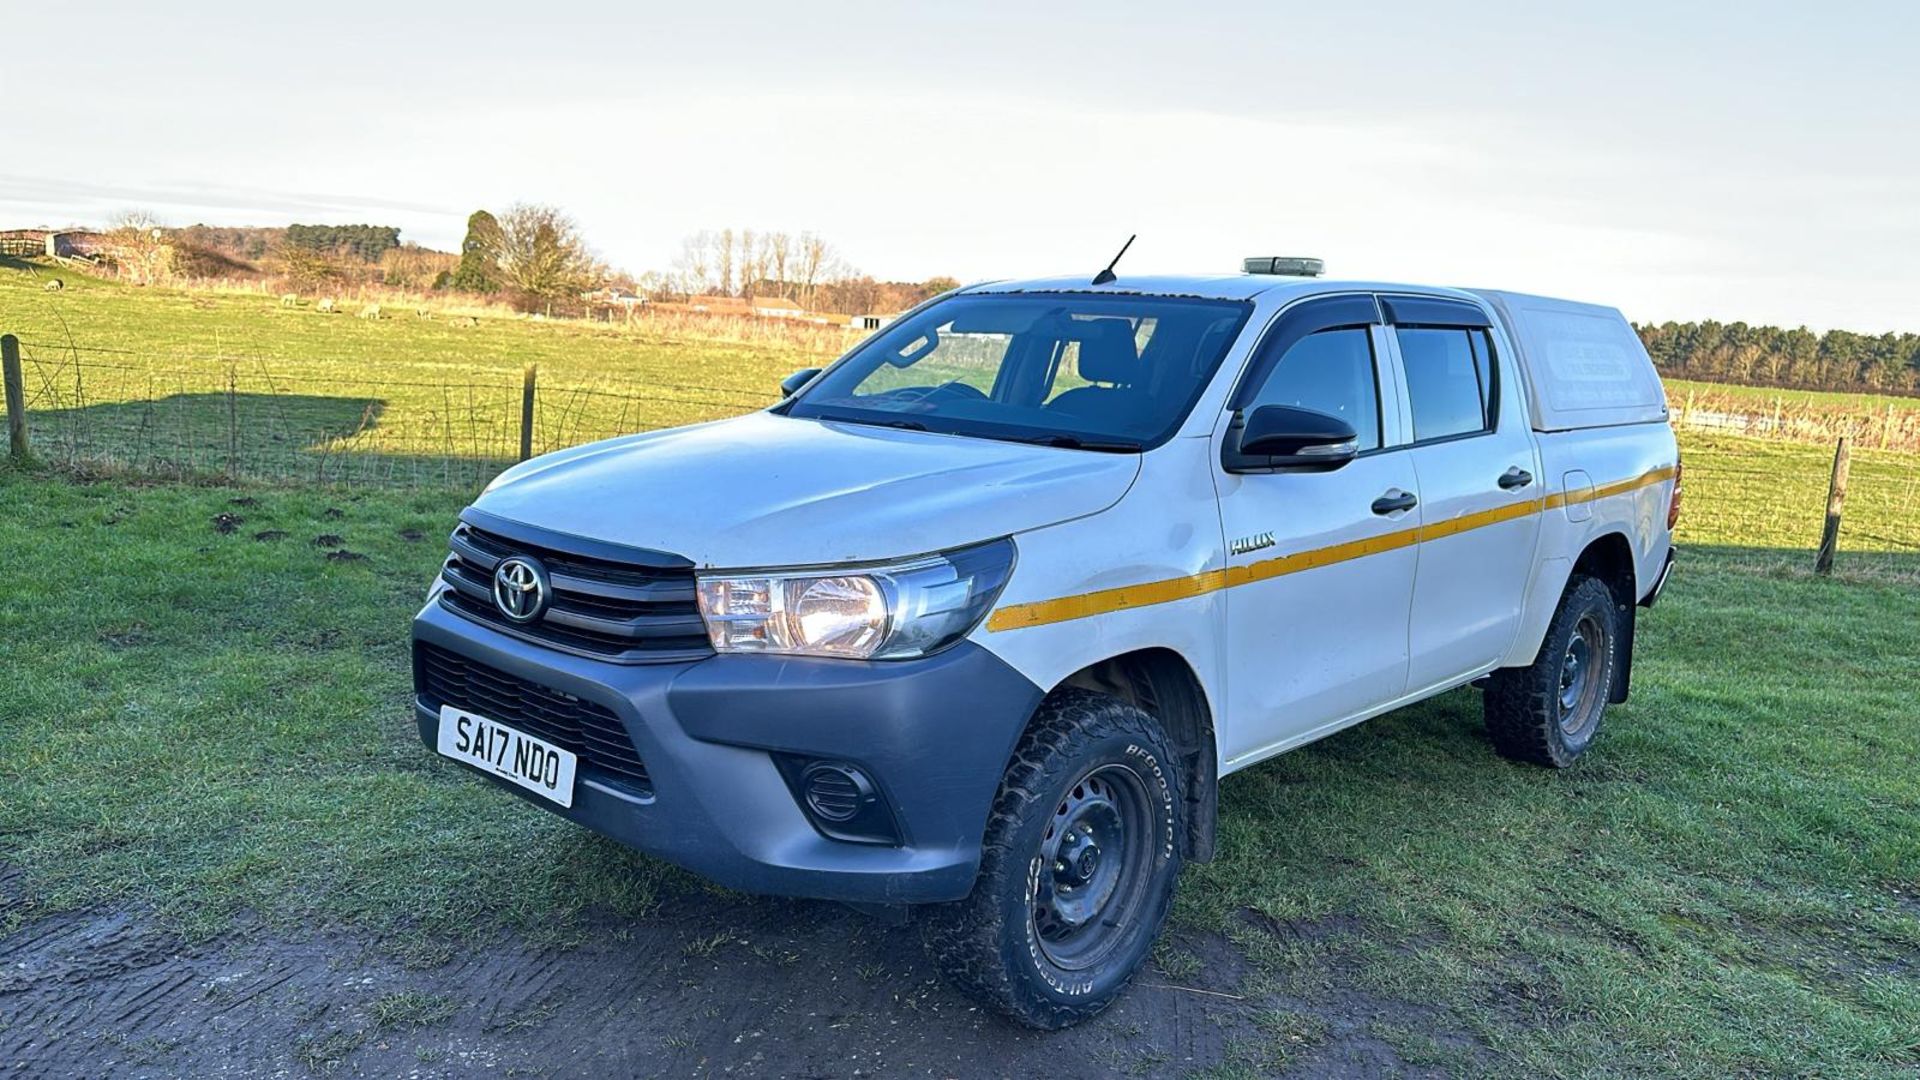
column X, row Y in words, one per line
column 1163, row 684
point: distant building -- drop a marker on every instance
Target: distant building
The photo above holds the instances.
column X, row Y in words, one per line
column 614, row 296
column 777, row 307
column 53, row 243
column 23, row 241
column 720, row 305
column 868, row 322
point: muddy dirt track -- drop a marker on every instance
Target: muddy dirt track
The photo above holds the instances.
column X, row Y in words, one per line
column 704, row 987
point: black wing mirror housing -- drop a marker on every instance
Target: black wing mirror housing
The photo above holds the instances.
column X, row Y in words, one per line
column 791, row 385
column 1281, row 437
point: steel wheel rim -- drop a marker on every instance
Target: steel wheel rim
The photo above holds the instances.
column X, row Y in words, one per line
column 1580, row 673
column 1093, row 868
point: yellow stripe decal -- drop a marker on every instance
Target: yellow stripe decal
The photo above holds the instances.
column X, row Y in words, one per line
column 1065, row 608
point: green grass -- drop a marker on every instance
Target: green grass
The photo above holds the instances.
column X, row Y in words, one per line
column 216, row 727
column 206, row 712
column 213, row 723
column 1770, row 500
column 198, row 381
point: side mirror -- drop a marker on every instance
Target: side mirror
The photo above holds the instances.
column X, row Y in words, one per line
column 1284, row 437
column 791, row 385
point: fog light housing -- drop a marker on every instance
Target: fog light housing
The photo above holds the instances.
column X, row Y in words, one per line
column 835, row 792
column 841, row 799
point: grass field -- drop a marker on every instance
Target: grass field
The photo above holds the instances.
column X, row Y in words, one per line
column 1765, row 396
column 196, row 383
column 206, row 712
column 178, row 381
column 207, row 715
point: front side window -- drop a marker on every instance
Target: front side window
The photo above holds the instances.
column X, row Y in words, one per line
column 1449, row 380
column 1098, row 372
column 1329, row 372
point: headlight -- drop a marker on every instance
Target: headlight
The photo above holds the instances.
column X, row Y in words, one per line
column 867, row 613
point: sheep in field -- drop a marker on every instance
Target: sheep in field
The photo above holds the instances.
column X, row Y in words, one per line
column 371, row 311
column 289, row 299
column 325, row 304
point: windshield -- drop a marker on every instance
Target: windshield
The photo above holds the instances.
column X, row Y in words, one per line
column 1094, row 372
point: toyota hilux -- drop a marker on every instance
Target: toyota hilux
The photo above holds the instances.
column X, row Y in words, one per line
column 973, row 622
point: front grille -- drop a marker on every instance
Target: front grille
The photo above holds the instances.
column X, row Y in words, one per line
column 588, row 729
column 629, row 613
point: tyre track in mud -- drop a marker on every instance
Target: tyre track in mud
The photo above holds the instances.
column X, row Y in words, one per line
column 706, row 985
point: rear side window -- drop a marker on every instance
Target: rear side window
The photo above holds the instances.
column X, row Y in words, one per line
column 1449, row 380
column 1329, row 372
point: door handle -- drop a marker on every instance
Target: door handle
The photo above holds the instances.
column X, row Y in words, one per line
column 1394, row 501
column 1515, row 478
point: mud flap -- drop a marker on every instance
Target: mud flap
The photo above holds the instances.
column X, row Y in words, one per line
column 1623, row 670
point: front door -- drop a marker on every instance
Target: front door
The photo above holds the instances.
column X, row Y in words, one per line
column 1320, row 565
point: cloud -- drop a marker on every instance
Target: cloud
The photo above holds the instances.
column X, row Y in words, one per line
column 78, row 196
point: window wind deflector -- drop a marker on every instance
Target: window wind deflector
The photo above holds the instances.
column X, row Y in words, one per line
column 1432, row 311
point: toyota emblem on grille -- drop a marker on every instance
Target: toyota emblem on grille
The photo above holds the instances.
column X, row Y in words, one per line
column 520, row 589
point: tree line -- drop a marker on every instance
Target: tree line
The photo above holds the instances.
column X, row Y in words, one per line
column 367, row 243
column 530, row 255
column 1771, row 356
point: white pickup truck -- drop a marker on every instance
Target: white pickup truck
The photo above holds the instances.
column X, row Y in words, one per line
column 975, row 619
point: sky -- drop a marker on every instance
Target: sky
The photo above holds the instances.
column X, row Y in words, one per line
column 1682, row 161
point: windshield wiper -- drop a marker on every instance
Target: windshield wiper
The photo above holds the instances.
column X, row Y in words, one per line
column 1075, row 442
column 873, row 421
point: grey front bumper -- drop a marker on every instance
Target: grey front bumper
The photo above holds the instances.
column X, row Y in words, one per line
column 935, row 734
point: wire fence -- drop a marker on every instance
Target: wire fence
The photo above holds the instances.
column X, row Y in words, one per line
column 1799, row 417
column 210, row 415
column 99, row 410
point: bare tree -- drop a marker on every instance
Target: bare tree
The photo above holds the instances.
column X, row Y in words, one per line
column 779, row 251
column 723, row 263
column 693, row 267
column 304, row 268
column 818, row 264
column 140, row 248
column 541, row 255
column 753, row 261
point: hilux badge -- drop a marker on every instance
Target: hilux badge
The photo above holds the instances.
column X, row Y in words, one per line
column 520, row 589
column 1255, row 542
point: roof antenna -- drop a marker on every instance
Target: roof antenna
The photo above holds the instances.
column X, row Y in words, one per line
column 1106, row 275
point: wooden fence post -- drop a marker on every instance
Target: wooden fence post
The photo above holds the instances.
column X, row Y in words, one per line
column 16, row 397
column 1836, row 501
column 526, row 412
column 233, row 424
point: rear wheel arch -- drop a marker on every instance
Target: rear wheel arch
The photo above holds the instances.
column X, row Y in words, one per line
column 1609, row 557
column 1163, row 684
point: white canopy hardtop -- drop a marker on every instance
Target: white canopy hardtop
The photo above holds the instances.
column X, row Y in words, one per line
column 1586, row 367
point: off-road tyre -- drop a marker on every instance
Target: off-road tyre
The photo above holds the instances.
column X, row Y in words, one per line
column 1003, row 945
column 1527, row 716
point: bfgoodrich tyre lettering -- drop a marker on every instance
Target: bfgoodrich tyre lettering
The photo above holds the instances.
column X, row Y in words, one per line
column 1078, row 868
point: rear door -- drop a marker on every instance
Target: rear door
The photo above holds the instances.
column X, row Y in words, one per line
column 1480, row 488
column 1318, row 577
